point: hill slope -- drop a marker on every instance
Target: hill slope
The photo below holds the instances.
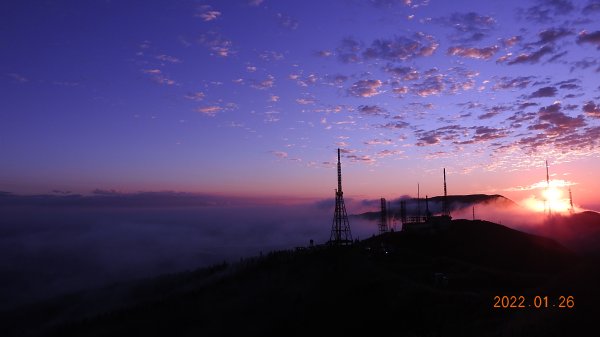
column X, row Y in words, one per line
column 381, row 285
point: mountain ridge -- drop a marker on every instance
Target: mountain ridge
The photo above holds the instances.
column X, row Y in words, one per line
column 388, row 278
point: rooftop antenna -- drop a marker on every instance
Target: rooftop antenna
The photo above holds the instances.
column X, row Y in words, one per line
column 340, row 228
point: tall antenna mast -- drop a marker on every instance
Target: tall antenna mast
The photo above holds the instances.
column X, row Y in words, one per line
column 340, row 228
column 547, row 175
column 383, row 225
column 548, row 187
column 418, row 202
column 391, row 218
column 339, row 173
column 445, row 202
column 572, row 210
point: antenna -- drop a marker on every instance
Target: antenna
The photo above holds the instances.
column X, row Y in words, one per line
column 445, row 210
column 383, row 225
column 391, row 218
column 418, row 202
column 572, row 210
column 339, row 172
column 548, row 188
column 340, row 228
column 547, row 175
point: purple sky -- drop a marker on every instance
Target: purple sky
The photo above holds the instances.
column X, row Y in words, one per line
column 253, row 97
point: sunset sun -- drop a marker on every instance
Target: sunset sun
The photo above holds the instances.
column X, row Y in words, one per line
column 555, row 200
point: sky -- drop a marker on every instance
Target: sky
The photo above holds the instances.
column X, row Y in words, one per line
column 251, row 98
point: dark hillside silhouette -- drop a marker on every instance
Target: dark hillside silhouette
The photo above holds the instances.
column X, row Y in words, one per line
column 385, row 284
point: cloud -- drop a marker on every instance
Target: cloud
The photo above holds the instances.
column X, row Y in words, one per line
column 400, row 90
column 388, row 153
column 280, row 154
column 428, row 139
column 210, row 110
column 401, row 48
column 372, row 110
column 544, row 92
column 591, row 38
column 195, row 96
column 348, row 51
column 391, row 3
column 398, row 48
column 476, row 53
column 485, row 134
column 287, row 21
column 158, row 77
column 209, row 15
column 379, row 142
column 520, row 117
column 365, row 88
column 557, row 128
column 592, row 109
column 511, row 41
column 532, row 57
column 270, row 56
column 401, row 72
column 542, row 184
column 450, row 133
column 505, row 82
column 324, row 53
column 267, row 83
column 255, row 3
column 271, row 116
column 394, row 125
column 571, row 84
column 591, row 8
column 52, row 245
column 305, row 81
column 435, row 83
column 18, row 78
column 493, row 111
column 151, row 71
column 305, row 101
column 336, row 80
column 552, row 35
column 546, row 10
column 585, row 64
column 363, row 159
column 432, row 85
column 215, row 42
column 468, row 27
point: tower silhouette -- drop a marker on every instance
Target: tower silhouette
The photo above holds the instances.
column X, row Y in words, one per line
column 383, row 224
column 547, row 188
column 340, row 228
column 445, row 209
column 572, row 209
